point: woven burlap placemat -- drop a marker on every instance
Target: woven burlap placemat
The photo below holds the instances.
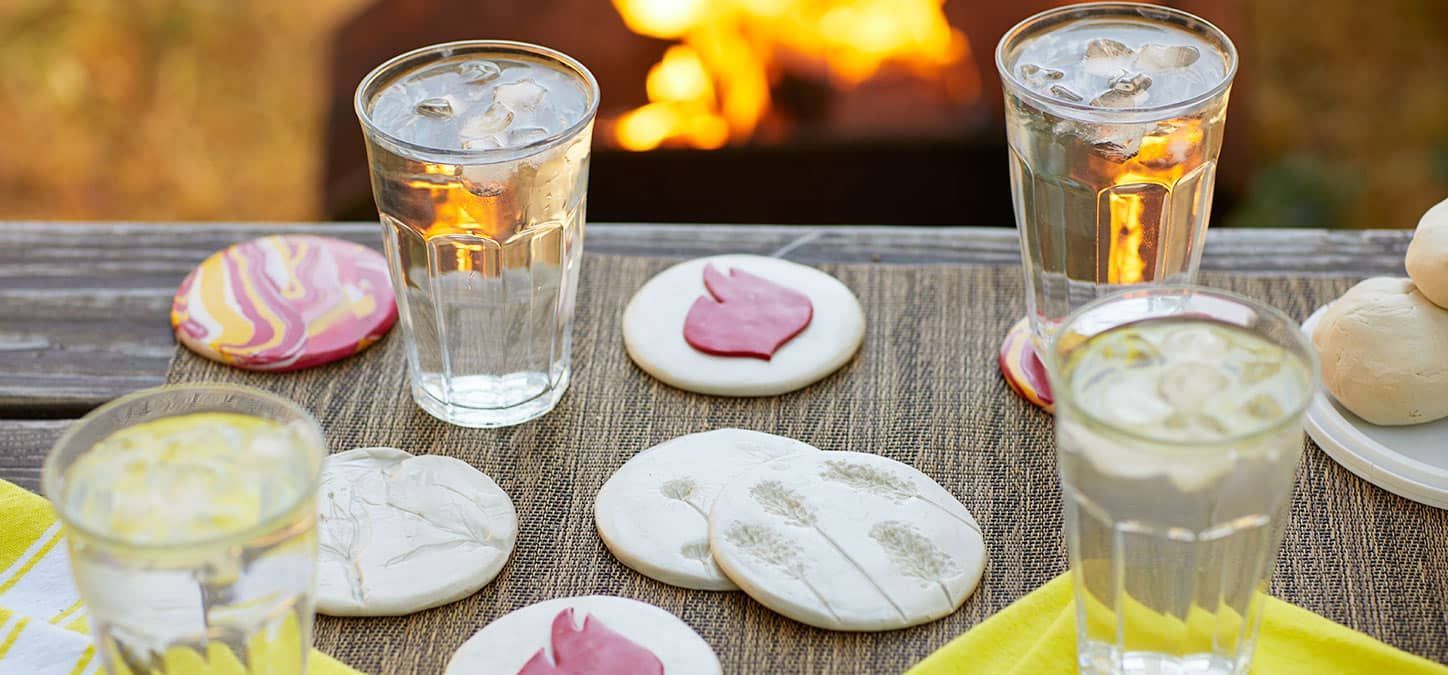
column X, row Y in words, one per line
column 924, row 390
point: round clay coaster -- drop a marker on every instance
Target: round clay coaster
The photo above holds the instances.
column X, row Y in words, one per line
column 285, row 302
column 1022, row 367
column 742, row 325
column 847, row 541
column 593, row 634
column 653, row 513
column 400, row 534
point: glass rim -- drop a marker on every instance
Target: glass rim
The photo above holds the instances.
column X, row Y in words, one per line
column 1090, row 9
column 1300, row 343
column 52, row 481
column 444, row 49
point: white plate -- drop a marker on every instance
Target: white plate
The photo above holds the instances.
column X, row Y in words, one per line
column 1410, row 461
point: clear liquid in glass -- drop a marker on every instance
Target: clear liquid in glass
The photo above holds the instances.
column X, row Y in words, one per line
column 219, row 569
column 485, row 249
column 1177, row 453
column 1113, row 155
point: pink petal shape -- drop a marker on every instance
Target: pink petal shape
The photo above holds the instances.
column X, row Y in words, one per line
column 747, row 315
column 593, row 649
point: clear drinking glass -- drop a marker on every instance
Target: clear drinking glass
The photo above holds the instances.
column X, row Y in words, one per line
column 1178, row 430
column 1114, row 116
column 190, row 514
column 479, row 158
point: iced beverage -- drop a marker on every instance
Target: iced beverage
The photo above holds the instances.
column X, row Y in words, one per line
column 1114, row 117
column 479, row 158
column 1178, row 428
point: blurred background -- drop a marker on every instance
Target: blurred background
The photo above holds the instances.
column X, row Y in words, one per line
column 745, row 111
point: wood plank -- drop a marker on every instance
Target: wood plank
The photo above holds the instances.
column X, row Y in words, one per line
column 83, row 305
column 23, row 446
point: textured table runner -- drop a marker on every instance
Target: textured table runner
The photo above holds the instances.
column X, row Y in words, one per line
column 924, row 390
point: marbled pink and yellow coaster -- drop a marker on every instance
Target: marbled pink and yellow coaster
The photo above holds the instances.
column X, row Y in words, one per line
column 285, row 303
column 1023, row 370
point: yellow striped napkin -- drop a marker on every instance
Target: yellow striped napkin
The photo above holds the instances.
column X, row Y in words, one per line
column 42, row 621
column 1037, row 634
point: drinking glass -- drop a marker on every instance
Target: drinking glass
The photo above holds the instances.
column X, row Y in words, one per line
column 479, row 158
column 1114, row 117
column 1178, row 431
column 190, row 515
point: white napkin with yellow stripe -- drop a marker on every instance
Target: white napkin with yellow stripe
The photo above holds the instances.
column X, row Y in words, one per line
column 42, row 621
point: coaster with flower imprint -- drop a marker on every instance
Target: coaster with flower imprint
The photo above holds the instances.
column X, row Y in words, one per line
column 847, row 541
column 653, row 513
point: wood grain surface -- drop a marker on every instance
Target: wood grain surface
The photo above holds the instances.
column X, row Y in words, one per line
column 83, row 306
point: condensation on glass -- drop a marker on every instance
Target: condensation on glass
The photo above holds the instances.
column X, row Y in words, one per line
column 1178, row 433
column 190, row 518
column 479, row 156
column 1114, row 117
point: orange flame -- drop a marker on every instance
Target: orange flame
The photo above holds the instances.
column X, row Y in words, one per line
column 714, row 85
column 1162, row 159
column 1125, row 264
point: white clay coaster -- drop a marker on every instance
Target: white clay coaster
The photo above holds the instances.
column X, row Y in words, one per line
column 587, row 635
column 739, row 314
column 653, row 513
column 847, row 541
column 400, row 534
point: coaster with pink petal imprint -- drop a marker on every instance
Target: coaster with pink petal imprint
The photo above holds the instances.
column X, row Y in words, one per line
column 742, row 325
column 587, row 635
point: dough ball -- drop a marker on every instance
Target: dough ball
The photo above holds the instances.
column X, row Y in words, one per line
column 1384, row 350
column 1428, row 255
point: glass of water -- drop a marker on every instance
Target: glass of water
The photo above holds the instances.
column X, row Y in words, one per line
column 479, row 158
column 1114, row 117
column 1178, row 430
column 190, row 514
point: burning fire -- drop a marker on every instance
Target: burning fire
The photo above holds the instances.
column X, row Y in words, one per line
column 1163, row 159
column 714, row 84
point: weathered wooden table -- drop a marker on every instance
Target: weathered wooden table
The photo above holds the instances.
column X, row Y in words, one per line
column 83, row 307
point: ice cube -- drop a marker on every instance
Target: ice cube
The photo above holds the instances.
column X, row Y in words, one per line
column 1162, row 57
column 521, row 96
column 439, row 108
column 1061, row 92
column 1197, row 342
column 1186, row 386
column 1131, row 83
column 1257, row 371
column 521, row 136
column 493, row 120
column 1117, row 147
column 1037, row 76
column 1106, row 58
column 1263, row 407
column 489, row 142
column 479, row 72
column 1127, row 90
column 1131, row 350
column 1115, row 98
column 1106, row 48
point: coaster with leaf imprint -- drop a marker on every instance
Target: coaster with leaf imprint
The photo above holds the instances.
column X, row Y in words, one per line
column 847, row 541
